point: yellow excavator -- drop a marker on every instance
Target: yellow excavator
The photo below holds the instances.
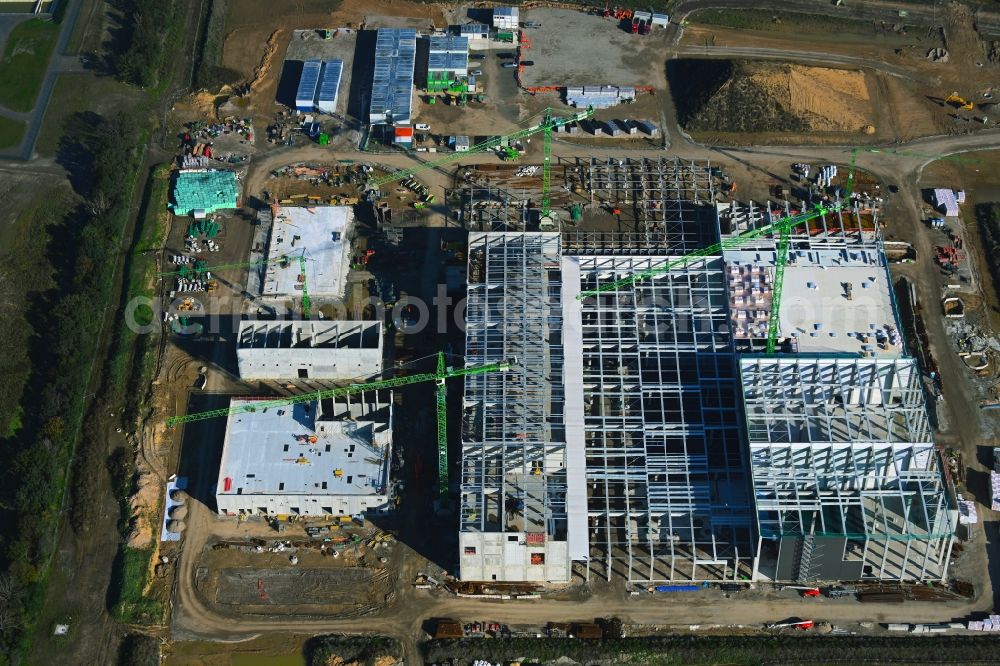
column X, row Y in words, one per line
column 959, row 101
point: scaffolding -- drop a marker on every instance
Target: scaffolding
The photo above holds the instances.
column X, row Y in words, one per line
column 513, row 508
column 845, row 473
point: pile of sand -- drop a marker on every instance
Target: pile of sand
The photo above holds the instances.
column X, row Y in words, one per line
column 827, row 99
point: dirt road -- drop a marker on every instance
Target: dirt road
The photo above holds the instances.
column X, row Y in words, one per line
column 404, row 618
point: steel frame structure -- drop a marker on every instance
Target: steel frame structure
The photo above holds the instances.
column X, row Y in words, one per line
column 842, row 448
column 666, row 483
column 513, row 438
column 665, row 195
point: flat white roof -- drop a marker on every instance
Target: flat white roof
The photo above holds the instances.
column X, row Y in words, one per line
column 320, row 234
column 814, row 304
column 270, row 452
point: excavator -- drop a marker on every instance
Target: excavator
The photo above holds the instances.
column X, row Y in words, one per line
column 959, row 102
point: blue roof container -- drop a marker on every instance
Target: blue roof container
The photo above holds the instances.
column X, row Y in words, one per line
column 306, row 95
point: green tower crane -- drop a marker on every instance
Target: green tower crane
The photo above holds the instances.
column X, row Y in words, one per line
column 713, row 250
column 546, row 164
column 441, row 395
column 780, row 261
column 306, row 301
column 547, row 124
column 439, row 378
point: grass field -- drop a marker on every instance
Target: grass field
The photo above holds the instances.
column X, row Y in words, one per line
column 104, row 96
column 755, row 19
column 130, row 577
column 11, row 132
column 24, row 61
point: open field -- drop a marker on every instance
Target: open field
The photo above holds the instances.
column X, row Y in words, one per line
column 104, row 96
column 26, row 56
column 11, row 132
column 274, row 649
column 793, row 23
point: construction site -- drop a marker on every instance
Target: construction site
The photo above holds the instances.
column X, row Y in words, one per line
column 482, row 320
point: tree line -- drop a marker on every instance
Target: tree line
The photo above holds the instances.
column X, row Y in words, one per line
column 34, row 460
column 139, row 58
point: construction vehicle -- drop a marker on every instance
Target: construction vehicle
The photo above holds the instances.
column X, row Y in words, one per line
column 959, row 102
column 439, row 377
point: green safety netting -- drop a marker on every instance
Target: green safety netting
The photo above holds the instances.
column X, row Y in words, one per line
column 204, row 190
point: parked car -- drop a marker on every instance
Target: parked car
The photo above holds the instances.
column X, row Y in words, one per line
column 527, row 63
column 506, row 56
column 476, row 72
column 422, row 127
column 509, row 65
column 477, row 56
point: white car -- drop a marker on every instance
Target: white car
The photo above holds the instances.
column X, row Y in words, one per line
column 422, row 127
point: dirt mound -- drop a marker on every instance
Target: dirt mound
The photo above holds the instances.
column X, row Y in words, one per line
column 763, row 97
column 827, row 99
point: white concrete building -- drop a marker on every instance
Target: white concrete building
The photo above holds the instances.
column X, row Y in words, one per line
column 322, row 235
column 315, row 349
column 308, row 459
column 505, row 18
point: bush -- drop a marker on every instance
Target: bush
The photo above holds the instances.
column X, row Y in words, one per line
column 320, row 650
column 988, row 218
column 35, row 460
column 141, row 58
column 731, row 650
column 139, row 650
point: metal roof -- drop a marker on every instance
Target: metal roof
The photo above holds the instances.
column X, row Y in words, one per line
column 448, row 62
column 392, row 81
column 308, row 82
column 473, row 29
column 505, row 11
column 330, row 81
column 449, row 44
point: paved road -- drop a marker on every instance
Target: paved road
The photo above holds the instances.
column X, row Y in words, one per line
column 193, row 618
column 57, row 64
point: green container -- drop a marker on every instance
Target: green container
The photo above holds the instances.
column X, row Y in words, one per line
column 324, row 139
